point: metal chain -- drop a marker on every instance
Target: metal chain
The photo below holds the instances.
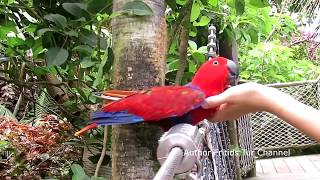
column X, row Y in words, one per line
column 212, row 42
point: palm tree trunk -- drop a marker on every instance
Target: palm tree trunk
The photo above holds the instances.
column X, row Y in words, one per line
column 139, row 45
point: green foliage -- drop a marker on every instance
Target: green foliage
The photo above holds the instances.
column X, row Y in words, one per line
column 79, row 174
column 272, row 62
column 259, row 3
column 256, row 32
column 56, row 56
column 67, row 39
column 4, row 112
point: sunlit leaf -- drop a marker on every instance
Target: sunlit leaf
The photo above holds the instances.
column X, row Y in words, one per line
column 200, row 57
column 195, row 11
column 3, row 144
column 15, row 41
column 204, row 20
column 260, row 3
column 213, row 2
column 181, row 2
column 192, row 45
column 192, row 66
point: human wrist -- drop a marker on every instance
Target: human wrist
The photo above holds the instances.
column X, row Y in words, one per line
column 270, row 99
column 275, row 100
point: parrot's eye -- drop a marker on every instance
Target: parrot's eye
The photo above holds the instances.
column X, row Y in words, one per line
column 215, row 62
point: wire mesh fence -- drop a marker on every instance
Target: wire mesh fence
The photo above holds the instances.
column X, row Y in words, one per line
column 270, row 132
column 245, row 140
column 220, row 162
column 217, row 163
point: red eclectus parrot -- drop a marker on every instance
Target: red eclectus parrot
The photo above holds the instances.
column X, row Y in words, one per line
column 168, row 105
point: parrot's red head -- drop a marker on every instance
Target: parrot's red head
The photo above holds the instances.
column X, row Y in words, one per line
column 214, row 76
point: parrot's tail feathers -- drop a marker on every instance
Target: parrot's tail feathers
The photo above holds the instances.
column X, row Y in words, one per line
column 85, row 129
column 114, row 118
column 119, row 93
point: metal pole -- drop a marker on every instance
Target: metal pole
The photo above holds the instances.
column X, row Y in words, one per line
column 167, row 170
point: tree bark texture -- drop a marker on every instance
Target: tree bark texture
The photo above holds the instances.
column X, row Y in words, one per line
column 139, row 45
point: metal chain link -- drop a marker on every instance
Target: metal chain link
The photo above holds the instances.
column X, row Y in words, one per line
column 212, row 42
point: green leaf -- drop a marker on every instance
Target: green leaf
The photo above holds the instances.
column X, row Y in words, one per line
column 72, row 33
column 87, row 62
column 4, row 145
column 171, row 3
column 100, row 72
column 6, row 28
column 31, row 28
column 192, row 66
column 83, row 48
column 15, row 41
column 40, row 71
column 6, row 112
column 56, row 56
column 204, row 20
column 195, row 11
column 44, row 30
column 173, row 65
column 192, row 45
column 199, row 57
column 253, row 36
column 91, row 39
column 58, row 19
column 240, row 4
column 77, row 170
column 259, row 3
column 10, row 2
column 137, row 8
column 202, row 49
column 192, row 34
column 78, row 173
column 213, row 2
column 231, row 3
column 180, row 2
column 75, row 9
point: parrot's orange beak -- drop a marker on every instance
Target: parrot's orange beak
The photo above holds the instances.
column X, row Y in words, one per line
column 233, row 69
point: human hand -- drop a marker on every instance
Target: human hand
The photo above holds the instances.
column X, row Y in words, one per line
column 243, row 99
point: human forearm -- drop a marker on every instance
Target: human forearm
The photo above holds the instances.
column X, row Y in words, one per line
column 299, row 115
column 251, row 97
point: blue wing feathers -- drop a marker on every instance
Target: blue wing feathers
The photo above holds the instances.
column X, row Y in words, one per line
column 113, row 118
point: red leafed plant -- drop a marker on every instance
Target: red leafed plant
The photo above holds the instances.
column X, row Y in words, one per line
column 36, row 151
